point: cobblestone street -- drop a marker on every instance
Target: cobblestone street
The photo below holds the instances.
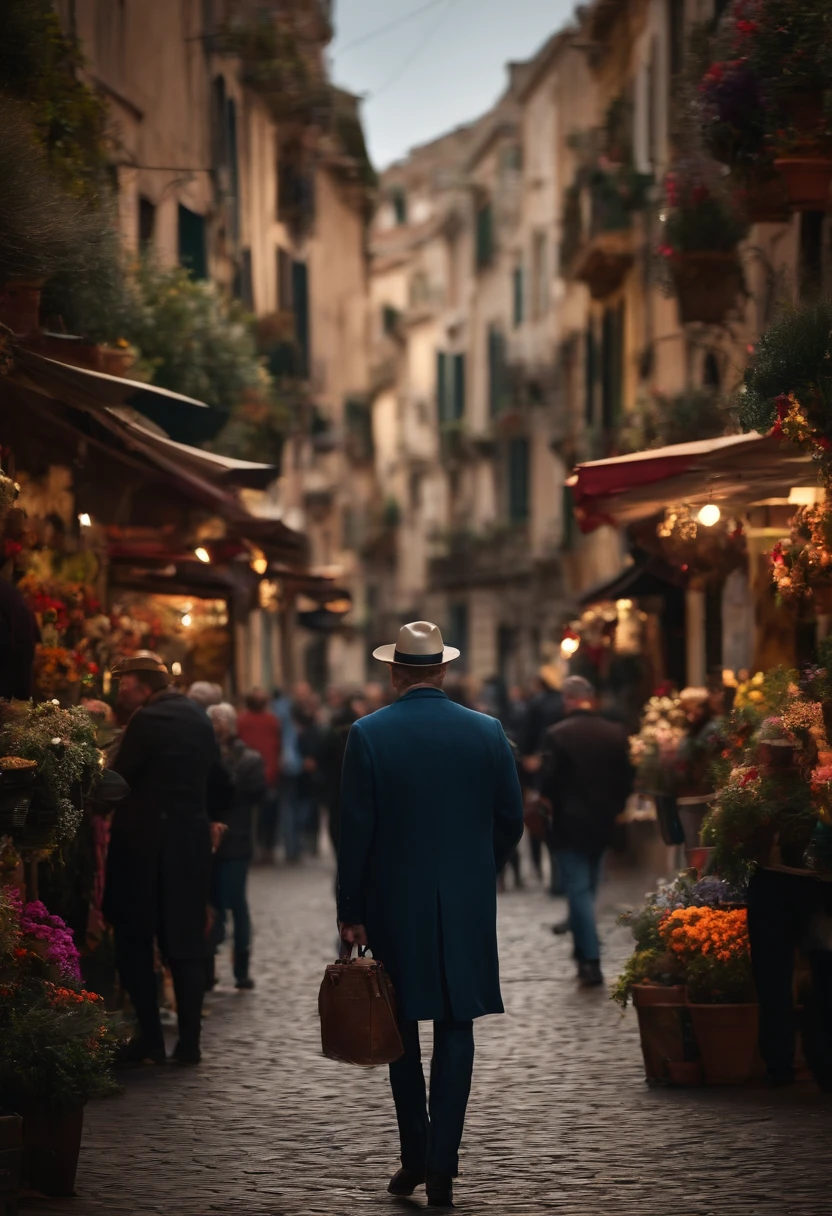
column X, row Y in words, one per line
column 560, row 1118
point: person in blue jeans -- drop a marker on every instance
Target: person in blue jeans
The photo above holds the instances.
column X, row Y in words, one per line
column 233, row 857
column 586, row 777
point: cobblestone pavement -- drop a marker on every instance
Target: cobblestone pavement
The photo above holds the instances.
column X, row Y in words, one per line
column 560, row 1119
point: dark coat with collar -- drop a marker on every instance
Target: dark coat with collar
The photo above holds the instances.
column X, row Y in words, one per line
column 587, row 777
column 430, row 811
column 159, row 860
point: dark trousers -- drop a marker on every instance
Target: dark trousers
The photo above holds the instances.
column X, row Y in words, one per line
column 135, row 960
column 267, row 816
column 228, row 894
column 431, row 1134
column 781, row 908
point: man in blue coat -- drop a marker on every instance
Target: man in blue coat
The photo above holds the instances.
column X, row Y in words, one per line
column 430, row 811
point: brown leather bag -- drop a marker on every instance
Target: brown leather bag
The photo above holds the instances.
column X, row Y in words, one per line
column 357, row 1005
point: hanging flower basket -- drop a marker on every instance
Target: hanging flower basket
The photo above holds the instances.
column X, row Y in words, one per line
column 807, row 179
column 707, row 284
column 765, row 198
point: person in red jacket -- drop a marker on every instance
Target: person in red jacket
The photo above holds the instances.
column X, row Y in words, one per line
column 260, row 730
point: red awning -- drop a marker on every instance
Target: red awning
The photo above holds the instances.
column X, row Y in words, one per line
column 734, row 470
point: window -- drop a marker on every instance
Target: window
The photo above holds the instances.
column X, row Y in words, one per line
column 612, row 365
column 675, row 39
column 518, row 479
column 233, row 168
column 191, row 244
column 399, row 201
column 243, row 286
column 285, row 299
column 518, row 292
column 300, row 305
column 458, row 627
column 484, row 236
column 711, row 377
column 390, row 318
column 450, row 386
column 219, row 130
column 590, row 374
column 147, row 221
column 497, row 377
column 540, row 276
column 295, row 186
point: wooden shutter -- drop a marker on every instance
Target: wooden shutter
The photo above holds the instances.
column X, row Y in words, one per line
column 441, row 387
column 459, row 386
column 300, row 298
column 519, row 287
column 518, row 479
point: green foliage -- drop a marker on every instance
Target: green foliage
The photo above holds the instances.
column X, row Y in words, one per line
column 712, row 980
column 273, row 64
column 650, row 966
column 58, row 1053
column 63, row 742
column 790, row 45
column 41, row 67
column 794, row 355
column 755, row 811
column 660, row 419
column 93, row 299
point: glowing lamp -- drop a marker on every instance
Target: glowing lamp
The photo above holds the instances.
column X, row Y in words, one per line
column 709, row 515
column 202, row 555
column 187, row 620
column 85, row 520
column 569, row 645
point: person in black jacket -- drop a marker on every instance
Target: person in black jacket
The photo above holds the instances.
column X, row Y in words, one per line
column 586, row 777
column 233, row 857
column 159, row 860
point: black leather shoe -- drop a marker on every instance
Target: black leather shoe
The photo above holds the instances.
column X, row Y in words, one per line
column 186, row 1055
column 590, row 974
column 136, row 1053
column 440, row 1189
column 405, row 1181
column 560, row 928
column 244, row 985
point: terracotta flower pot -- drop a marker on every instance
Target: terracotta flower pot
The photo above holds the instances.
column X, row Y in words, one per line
column 765, row 200
column 52, row 1143
column 707, row 284
column 687, row 1073
column 727, row 1039
column 660, row 1013
column 807, row 179
column 20, row 305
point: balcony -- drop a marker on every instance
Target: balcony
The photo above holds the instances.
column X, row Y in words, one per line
column 468, row 559
column 598, row 245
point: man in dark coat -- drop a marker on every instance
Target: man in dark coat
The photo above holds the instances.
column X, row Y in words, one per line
column 430, row 812
column 159, row 860
column 587, row 778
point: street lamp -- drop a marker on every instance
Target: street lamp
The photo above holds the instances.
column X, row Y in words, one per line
column 709, row 515
column 202, row 555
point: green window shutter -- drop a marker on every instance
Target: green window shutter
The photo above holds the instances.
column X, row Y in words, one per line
column 441, row 386
column 192, row 251
column 485, row 236
column 589, row 375
column 612, row 358
column 518, row 480
column 519, row 288
column 300, row 298
column 496, row 371
column 459, row 387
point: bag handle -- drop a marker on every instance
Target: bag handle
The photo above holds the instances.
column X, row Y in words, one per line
column 346, row 949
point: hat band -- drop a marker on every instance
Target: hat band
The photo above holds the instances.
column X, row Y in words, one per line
column 417, row 660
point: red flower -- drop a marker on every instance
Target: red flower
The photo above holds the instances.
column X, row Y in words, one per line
column 823, row 442
column 750, row 776
column 747, row 27
column 783, row 405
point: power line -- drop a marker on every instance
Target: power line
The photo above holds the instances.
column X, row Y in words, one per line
column 415, row 53
column 391, row 25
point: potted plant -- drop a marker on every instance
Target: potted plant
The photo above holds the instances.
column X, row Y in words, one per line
column 62, row 742
column 56, row 1050
column 711, row 946
column 775, row 744
column 786, row 45
column 701, row 231
column 760, row 816
column 801, row 564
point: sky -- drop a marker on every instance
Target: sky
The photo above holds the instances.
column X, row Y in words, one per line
column 440, row 63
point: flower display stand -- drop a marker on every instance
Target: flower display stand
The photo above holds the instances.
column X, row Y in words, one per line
column 661, row 1012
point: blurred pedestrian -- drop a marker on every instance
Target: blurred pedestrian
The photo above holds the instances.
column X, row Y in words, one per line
column 233, row 857
column 260, row 730
column 316, row 744
column 543, row 710
column 204, row 694
column 291, row 767
column 354, row 708
column 587, row 778
column 430, row 811
column 159, row 861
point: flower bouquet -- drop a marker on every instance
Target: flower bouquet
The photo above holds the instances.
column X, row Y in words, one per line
column 653, row 750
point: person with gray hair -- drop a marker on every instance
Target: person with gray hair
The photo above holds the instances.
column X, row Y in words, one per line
column 205, row 694
column 233, row 857
column 586, row 777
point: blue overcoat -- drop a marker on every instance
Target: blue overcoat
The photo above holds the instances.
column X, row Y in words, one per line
column 431, row 809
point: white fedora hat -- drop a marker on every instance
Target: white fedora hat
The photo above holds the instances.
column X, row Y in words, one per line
column 420, row 645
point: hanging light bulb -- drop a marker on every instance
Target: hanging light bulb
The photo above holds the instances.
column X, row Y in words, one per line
column 709, row 515
column 569, row 645
column 187, row 620
column 202, row 555
column 85, row 520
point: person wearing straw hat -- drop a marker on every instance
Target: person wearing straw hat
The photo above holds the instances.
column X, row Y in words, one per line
column 159, row 862
column 431, row 809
